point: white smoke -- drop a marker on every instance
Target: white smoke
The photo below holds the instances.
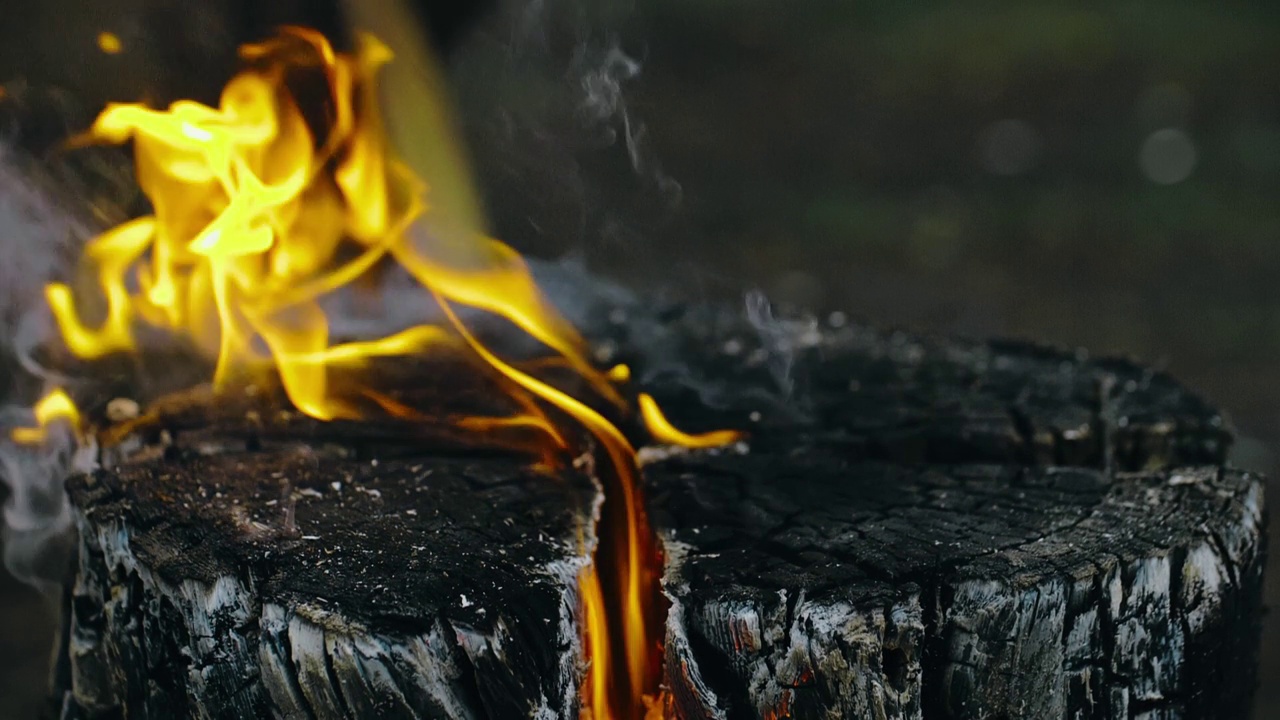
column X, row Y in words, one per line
column 37, row 531
column 605, row 72
column 37, row 240
column 602, row 98
column 780, row 338
column 547, row 97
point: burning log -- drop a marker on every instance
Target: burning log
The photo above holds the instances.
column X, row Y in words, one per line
column 916, row 529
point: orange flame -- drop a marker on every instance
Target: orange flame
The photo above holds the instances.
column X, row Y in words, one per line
column 260, row 212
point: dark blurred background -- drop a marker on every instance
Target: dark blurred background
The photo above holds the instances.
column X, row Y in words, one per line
column 1100, row 174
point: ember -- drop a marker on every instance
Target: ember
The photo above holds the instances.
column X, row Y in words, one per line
column 274, row 202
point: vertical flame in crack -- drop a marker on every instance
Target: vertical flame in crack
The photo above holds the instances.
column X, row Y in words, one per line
column 637, row 554
column 595, row 627
column 261, row 210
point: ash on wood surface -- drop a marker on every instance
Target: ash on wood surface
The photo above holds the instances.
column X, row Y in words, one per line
column 916, row 528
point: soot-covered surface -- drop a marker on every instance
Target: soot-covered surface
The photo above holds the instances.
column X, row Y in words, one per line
column 902, row 397
column 814, row 584
column 407, row 538
column 431, row 587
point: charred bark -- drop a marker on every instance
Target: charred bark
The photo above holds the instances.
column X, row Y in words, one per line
column 811, row 586
column 317, row 586
column 915, row 528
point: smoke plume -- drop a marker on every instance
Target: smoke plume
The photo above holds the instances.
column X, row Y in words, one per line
column 37, row 240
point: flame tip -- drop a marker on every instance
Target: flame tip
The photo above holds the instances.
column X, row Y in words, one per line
column 661, row 429
column 56, row 406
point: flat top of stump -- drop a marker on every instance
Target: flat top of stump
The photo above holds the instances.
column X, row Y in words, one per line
column 862, row 532
column 393, row 540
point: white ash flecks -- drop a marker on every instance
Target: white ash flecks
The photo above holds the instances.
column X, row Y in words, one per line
column 572, row 664
column 651, row 454
column 215, row 615
column 315, row 662
column 567, row 574
column 690, row 689
column 454, row 614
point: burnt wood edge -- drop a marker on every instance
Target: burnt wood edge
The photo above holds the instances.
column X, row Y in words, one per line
column 153, row 635
column 1172, row 632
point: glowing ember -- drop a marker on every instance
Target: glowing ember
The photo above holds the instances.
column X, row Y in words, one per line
column 109, row 43
column 261, row 211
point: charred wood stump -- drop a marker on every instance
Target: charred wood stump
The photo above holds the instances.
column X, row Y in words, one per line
column 915, row 528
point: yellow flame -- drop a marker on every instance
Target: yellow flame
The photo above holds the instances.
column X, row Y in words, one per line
column 596, row 631
column 262, row 208
column 53, row 407
column 663, row 431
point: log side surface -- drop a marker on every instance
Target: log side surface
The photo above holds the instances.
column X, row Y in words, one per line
column 915, row 528
column 963, row 591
